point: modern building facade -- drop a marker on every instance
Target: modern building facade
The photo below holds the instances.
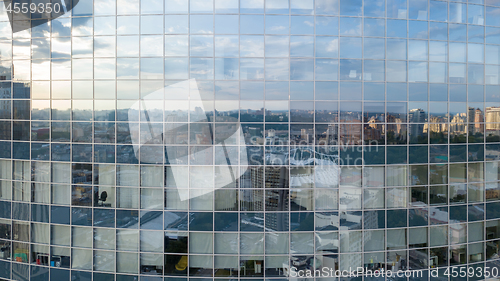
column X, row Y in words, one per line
column 239, row 139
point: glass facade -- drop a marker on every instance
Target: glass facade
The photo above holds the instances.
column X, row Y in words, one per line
column 236, row 139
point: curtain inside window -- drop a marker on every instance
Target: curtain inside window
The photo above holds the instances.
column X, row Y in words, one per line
column 21, row 190
column 104, row 238
column 475, row 249
column 226, row 262
column 22, row 170
column 61, row 194
column 397, row 176
column 5, row 169
column 152, row 241
column 226, row 243
column 252, row 243
column 60, row 235
column 396, row 239
column 476, row 232
column 276, row 262
column 40, row 249
column 373, row 176
column 106, row 181
column 200, row 243
column 127, row 175
column 374, row 240
column 82, row 237
column 152, row 176
column 173, row 199
column 418, row 236
column 152, row 260
column 127, row 262
column 41, row 190
column 277, row 243
column 127, row 240
column 40, row 233
column 200, row 261
column 61, row 173
column 5, row 175
column 127, row 197
column 374, row 198
column 438, row 236
column 81, row 259
column 491, row 171
column 151, row 198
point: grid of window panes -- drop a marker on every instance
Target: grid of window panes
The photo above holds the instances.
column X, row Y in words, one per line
column 371, row 132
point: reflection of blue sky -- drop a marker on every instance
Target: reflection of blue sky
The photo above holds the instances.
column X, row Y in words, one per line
column 276, row 90
column 202, row 45
column 252, row 6
column 127, row 25
column 202, row 24
column 302, row 7
column 152, row 24
column 82, row 26
column 226, row 90
column 457, row 32
column 226, row 46
column 351, row 8
column 374, row 8
column 105, row 26
column 176, row 24
column 176, row 45
column 251, row 24
column 277, row 69
column 251, row 46
column 418, row 29
column 327, row 47
column 83, row 8
column 417, row 50
column 350, row 91
column 201, row 6
column 226, row 24
column 277, row 6
column 350, row 26
column 350, row 47
column 61, row 27
column 396, row 9
column 176, row 6
column 152, row 7
column 396, row 28
column 277, row 46
column 374, row 27
column 327, row 25
column 302, row 25
column 301, row 46
column 327, row 7
column 127, row 46
column 277, row 24
column 251, row 90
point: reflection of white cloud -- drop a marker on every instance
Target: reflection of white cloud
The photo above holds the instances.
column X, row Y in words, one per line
column 303, row 5
column 176, row 45
column 277, row 4
column 309, row 23
column 333, row 46
column 152, row 45
column 278, row 28
column 252, row 46
column 252, row 4
column 41, row 70
column 201, row 6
